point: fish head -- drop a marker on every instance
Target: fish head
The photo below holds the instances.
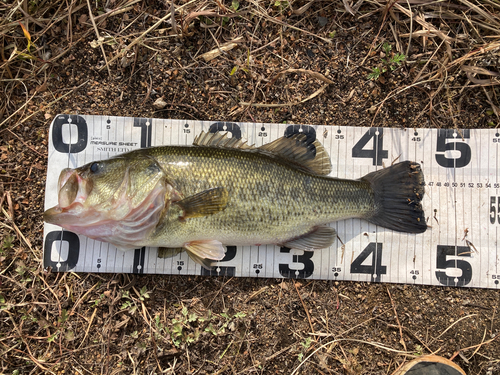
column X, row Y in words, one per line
column 118, row 200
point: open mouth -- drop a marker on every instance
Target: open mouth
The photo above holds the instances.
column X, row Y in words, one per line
column 71, row 195
column 68, row 187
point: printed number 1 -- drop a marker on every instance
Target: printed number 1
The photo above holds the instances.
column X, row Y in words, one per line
column 146, row 127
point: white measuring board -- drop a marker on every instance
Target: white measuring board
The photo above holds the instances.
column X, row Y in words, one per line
column 461, row 204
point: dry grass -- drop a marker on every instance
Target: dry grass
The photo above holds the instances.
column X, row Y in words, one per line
column 305, row 62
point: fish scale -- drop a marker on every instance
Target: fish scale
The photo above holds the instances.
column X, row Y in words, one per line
column 269, row 201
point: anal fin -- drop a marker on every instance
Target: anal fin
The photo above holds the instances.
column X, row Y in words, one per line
column 319, row 238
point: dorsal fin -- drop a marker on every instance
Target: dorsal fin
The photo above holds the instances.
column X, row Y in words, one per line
column 311, row 156
column 296, row 150
column 220, row 139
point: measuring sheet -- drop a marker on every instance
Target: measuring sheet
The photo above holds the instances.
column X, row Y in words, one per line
column 461, row 204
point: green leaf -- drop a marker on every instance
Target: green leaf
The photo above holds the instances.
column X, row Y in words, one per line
column 64, row 316
column 387, row 48
column 235, row 5
column 177, row 330
column 53, row 337
column 234, row 70
column 375, row 74
column 398, row 58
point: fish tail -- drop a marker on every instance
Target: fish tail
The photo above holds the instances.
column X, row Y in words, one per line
column 398, row 192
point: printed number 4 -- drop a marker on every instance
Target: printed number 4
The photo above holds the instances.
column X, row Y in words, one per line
column 377, row 153
column 376, row 269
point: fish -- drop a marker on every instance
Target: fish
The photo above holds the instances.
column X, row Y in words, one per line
column 222, row 191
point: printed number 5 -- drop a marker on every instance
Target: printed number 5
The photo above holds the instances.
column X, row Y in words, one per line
column 494, row 214
column 443, row 252
column 455, row 145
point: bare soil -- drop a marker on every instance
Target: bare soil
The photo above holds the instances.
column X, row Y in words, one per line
column 112, row 323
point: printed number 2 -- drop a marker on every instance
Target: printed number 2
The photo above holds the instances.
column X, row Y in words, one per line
column 377, row 153
column 443, row 252
column 455, row 145
column 376, row 268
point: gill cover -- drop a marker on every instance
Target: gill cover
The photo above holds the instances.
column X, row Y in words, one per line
column 119, row 200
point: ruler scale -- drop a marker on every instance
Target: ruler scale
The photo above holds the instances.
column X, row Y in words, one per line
column 461, row 203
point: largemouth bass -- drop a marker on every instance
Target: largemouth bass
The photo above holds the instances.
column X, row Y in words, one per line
column 223, row 191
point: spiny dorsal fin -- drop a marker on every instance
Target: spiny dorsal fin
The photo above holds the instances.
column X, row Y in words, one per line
column 299, row 151
column 221, row 140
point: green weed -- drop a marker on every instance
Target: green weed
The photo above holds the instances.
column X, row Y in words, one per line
column 391, row 63
column 306, row 344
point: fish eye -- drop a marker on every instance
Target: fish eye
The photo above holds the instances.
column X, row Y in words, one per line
column 94, row 167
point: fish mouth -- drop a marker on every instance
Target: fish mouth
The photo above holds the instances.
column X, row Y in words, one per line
column 72, row 192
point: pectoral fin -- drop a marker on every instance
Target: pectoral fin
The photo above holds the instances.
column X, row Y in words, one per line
column 319, row 238
column 209, row 249
column 206, row 203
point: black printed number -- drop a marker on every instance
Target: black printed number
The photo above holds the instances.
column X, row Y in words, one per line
column 231, row 127
column 375, row 269
column 304, row 260
column 377, row 153
column 68, row 122
column 443, row 263
column 146, row 125
column 450, row 140
column 495, row 210
column 223, row 270
column 73, row 243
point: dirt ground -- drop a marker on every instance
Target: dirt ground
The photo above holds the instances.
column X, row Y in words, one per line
column 399, row 64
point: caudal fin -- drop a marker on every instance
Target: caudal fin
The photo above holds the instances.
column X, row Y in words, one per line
column 398, row 192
